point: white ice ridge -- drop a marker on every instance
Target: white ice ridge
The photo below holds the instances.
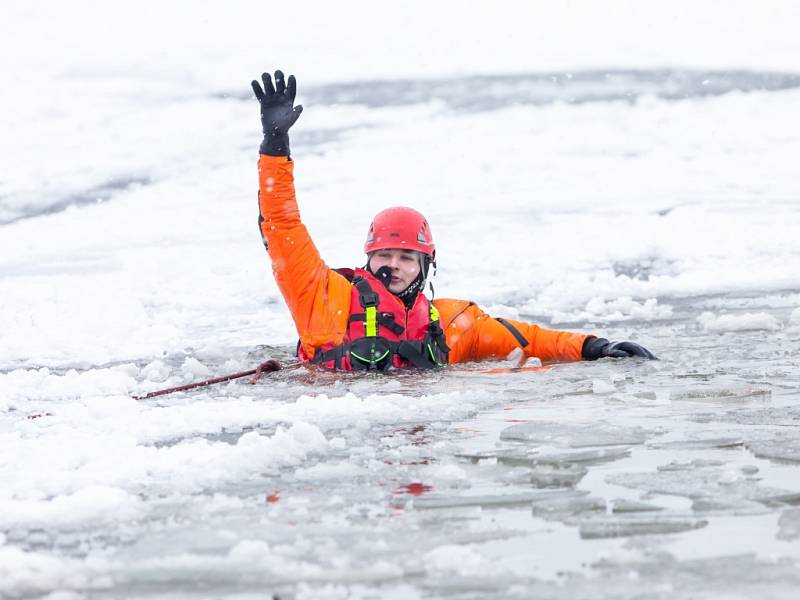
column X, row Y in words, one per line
column 744, row 322
column 620, row 309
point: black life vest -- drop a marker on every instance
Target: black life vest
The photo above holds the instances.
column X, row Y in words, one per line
column 382, row 334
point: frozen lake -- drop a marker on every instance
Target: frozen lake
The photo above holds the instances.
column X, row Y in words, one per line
column 654, row 204
column 588, row 479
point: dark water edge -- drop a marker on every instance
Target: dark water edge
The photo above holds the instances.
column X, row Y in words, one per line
column 478, row 93
column 101, row 192
column 489, row 92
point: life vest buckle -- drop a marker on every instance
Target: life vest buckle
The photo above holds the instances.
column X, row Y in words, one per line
column 368, row 299
column 371, row 353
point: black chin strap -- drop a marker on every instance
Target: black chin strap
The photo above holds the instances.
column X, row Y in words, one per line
column 409, row 295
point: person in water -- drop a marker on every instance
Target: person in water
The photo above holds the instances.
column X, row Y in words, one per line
column 377, row 317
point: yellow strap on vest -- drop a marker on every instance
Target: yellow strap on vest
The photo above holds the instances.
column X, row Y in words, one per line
column 434, row 313
column 371, row 324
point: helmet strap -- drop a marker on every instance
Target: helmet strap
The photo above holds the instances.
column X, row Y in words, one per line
column 409, row 295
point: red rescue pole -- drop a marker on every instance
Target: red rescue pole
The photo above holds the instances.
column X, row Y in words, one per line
column 270, row 365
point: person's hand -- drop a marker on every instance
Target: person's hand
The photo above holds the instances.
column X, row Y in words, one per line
column 278, row 112
column 594, row 348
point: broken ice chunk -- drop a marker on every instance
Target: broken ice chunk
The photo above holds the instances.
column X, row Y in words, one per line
column 596, row 455
column 692, row 464
column 567, row 506
column 703, row 484
column 557, row 459
column 434, row 501
column 730, row 506
column 624, row 527
column 783, row 450
column 621, row 505
column 548, row 476
column 700, row 443
column 575, row 435
column 721, row 394
column 602, row 387
column 789, row 525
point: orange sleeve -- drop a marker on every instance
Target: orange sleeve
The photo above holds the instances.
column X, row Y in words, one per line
column 317, row 297
column 473, row 335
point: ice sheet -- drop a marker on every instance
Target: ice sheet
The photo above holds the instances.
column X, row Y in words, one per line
column 627, row 170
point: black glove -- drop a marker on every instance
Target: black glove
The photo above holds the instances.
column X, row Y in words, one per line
column 278, row 112
column 594, row 348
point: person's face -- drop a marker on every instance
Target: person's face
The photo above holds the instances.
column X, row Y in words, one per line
column 403, row 265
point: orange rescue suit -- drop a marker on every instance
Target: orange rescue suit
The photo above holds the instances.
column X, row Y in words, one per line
column 319, row 297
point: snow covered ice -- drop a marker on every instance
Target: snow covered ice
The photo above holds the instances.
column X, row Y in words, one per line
column 635, row 166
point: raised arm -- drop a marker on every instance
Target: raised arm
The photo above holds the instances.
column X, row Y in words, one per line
column 317, row 297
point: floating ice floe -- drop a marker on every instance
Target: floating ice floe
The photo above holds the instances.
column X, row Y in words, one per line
column 326, row 472
column 624, row 308
column 623, row 505
column 571, row 458
column 455, row 558
column 486, row 500
column 629, row 526
column 91, row 506
column 745, row 322
column 602, row 387
column 789, row 524
column 699, row 441
column 767, row 415
column 556, row 476
column 22, row 386
column 781, row 450
column 194, row 368
column 724, row 394
column 576, row 435
column 710, row 487
column 566, row 506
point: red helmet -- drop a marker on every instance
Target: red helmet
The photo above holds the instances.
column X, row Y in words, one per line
column 400, row 227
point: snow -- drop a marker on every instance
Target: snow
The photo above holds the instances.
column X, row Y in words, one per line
column 91, row 506
column 618, row 309
column 624, row 169
column 464, row 561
